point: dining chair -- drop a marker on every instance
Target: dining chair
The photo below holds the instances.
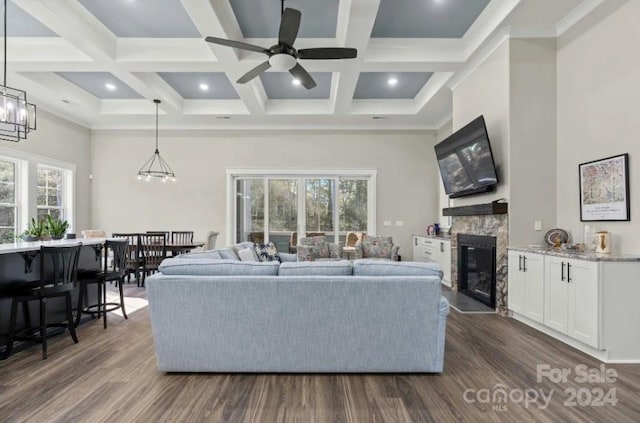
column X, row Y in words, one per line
column 113, row 271
column 153, row 249
column 181, row 238
column 212, row 237
column 133, row 260
column 167, row 234
column 93, row 233
column 58, row 276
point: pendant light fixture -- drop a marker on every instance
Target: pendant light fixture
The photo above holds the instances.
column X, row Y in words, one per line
column 17, row 116
column 156, row 167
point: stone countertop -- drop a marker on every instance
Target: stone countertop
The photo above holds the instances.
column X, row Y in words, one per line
column 441, row 237
column 590, row 256
column 21, row 246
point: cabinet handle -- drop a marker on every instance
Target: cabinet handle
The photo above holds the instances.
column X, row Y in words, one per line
column 562, row 276
column 524, row 263
column 415, row 241
column 568, row 270
column 520, row 262
column 442, row 247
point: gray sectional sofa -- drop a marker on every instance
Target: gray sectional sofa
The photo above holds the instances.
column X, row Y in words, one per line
column 210, row 315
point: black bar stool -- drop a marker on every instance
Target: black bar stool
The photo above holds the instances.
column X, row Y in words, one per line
column 57, row 281
column 112, row 272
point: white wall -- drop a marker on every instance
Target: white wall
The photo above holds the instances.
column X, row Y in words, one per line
column 598, row 94
column 59, row 139
column 407, row 184
column 515, row 90
column 532, row 147
column 486, row 92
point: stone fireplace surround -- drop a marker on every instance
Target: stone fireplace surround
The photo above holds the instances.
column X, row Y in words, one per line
column 488, row 220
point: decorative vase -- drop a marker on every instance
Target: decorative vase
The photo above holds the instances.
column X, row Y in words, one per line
column 603, row 242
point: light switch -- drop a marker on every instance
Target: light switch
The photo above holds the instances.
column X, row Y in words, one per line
column 537, row 225
column 399, row 223
column 387, row 223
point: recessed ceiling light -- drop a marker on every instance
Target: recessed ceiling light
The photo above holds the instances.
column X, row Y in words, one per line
column 393, row 81
column 204, row 87
column 110, row 86
column 378, row 117
column 295, row 81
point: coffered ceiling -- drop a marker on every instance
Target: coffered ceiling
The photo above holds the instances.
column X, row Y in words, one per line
column 100, row 63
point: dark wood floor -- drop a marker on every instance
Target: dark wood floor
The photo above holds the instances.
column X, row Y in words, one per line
column 111, row 376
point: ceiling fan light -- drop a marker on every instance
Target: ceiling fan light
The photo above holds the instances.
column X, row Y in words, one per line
column 282, row 62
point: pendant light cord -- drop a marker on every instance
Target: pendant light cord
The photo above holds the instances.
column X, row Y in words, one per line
column 157, row 104
column 281, row 8
column 5, row 43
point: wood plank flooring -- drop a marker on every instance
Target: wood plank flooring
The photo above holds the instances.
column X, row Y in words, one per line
column 111, row 376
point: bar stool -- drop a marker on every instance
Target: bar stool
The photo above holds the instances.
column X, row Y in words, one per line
column 112, row 272
column 57, row 281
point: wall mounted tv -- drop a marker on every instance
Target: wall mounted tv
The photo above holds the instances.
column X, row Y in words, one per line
column 466, row 161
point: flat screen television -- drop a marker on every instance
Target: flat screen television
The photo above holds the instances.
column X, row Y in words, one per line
column 466, row 161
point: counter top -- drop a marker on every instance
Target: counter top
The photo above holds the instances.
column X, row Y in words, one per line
column 441, row 237
column 22, row 246
column 589, row 256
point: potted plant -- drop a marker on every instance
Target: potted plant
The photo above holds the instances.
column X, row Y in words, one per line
column 35, row 231
column 56, row 227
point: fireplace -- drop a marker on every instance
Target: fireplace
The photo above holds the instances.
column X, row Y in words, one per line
column 477, row 268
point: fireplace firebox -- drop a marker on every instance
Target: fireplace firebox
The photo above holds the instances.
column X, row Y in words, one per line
column 477, row 268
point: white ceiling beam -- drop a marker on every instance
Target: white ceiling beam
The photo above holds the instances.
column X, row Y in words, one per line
column 74, row 23
column 430, row 89
column 215, row 18
column 355, row 23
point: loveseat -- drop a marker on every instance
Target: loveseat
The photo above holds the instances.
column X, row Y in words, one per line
column 211, row 315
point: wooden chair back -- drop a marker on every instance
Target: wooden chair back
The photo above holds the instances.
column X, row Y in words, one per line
column 182, row 237
column 58, row 268
column 154, row 250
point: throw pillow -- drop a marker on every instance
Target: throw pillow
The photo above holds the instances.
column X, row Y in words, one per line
column 245, row 246
column 267, row 252
column 246, row 254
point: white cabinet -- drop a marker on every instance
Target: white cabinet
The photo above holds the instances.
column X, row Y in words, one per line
column 526, row 285
column 587, row 301
column 434, row 249
column 571, row 298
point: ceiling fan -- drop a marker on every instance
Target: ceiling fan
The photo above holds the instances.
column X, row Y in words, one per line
column 283, row 56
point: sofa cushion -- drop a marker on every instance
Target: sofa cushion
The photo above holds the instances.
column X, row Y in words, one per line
column 267, row 252
column 317, row 248
column 245, row 246
column 228, row 254
column 210, row 267
column 373, row 267
column 316, row 268
column 210, row 254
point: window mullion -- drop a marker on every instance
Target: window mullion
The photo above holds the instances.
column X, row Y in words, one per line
column 266, row 210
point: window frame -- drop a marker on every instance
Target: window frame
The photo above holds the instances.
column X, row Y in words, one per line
column 64, row 195
column 233, row 175
column 28, row 206
column 19, row 178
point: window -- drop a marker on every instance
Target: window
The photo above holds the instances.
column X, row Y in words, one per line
column 8, row 201
column 51, row 189
column 276, row 205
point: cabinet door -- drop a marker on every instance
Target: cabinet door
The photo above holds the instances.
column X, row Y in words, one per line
column 533, row 270
column 583, row 302
column 444, row 258
column 556, row 294
column 515, row 283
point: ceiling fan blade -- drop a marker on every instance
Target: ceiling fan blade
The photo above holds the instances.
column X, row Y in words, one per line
column 237, row 44
column 254, row 72
column 289, row 26
column 328, row 53
column 303, row 76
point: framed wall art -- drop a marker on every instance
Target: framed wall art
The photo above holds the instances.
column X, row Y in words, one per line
column 604, row 189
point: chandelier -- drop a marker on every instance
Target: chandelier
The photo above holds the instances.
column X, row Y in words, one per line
column 156, row 167
column 17, row 116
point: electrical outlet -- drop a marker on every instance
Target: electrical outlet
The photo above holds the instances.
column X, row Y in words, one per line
column 537, row 225
column 387, row 223
column 399, row 223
